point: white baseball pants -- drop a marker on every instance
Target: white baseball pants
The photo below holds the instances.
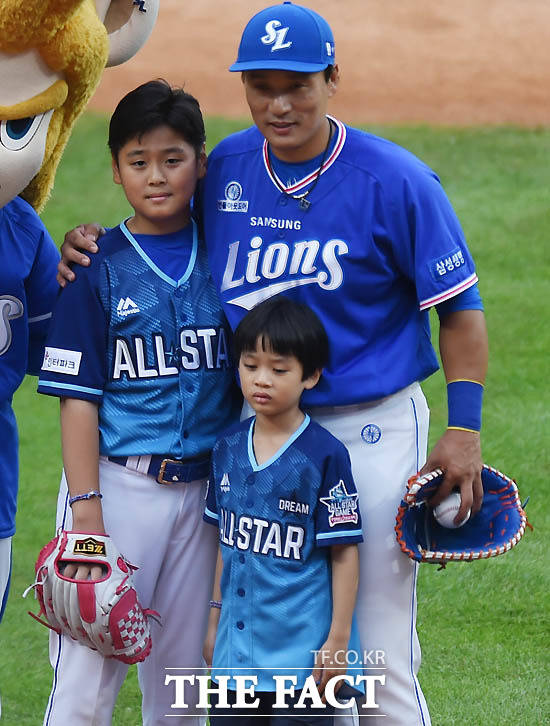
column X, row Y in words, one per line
column 5, row 571
column 160, row 529
column 387, row 442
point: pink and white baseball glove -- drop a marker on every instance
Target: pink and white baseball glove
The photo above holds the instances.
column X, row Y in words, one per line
column 103, row 614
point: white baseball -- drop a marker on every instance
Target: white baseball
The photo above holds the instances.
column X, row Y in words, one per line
column 446, row 511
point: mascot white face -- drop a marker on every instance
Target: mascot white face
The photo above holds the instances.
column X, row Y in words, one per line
column 52, row 54
column 22, row 140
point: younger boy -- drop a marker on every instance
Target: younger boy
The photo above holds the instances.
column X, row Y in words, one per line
column 283, row 497
column 138, row 354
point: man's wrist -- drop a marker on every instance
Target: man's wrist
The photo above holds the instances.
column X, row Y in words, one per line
column 464, row 402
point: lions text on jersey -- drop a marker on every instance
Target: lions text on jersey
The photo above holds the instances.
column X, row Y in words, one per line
column 379, row 245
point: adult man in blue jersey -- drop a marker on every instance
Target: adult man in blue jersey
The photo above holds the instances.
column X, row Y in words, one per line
column 361, row 231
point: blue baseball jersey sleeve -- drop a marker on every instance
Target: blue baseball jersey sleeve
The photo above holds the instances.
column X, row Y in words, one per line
column 151, row 351
column 27, row 292
column 378, row 246
column 276, row 521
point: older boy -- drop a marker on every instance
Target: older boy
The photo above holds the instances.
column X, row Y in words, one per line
column 138, row 352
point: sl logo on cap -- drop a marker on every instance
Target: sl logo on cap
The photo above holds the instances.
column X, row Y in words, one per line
column 275, row 36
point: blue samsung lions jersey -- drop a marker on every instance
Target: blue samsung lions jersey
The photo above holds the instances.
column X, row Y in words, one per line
column 152, row 352
column 27, row 293
column 378, row 246
column 276, row 522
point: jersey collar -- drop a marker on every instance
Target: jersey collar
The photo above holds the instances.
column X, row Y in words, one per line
column 192, row 259
column 252, row 456
column 303, row 183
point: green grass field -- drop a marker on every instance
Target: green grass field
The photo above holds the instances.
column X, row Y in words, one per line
column 484, row 627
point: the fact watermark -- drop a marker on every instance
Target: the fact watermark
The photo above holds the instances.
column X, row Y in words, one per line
column 364, row 658
column 285, row 686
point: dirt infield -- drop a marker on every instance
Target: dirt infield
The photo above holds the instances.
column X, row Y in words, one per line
column 438, row 61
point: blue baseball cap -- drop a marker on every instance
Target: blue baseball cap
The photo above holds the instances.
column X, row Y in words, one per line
column 286, row 37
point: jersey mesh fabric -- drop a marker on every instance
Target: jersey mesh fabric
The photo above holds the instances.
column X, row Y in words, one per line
column 155, row 352
column 276, row 525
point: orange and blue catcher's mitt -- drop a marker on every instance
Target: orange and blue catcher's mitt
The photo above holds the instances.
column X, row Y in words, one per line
column 494, row 530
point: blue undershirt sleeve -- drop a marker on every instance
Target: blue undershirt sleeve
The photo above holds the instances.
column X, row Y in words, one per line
column 470, row 299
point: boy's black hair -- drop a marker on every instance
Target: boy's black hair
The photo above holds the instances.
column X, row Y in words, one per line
column 155, row 104
column 287, row 328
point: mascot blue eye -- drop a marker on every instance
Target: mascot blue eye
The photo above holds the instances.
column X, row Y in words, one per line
column 17, row 128
column 17, row 133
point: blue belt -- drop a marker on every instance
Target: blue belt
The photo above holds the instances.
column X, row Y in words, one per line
column 172, row 471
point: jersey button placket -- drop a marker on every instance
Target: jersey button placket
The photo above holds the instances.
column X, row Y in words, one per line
column 182, row 377
column 249, row 491
column 242, row 638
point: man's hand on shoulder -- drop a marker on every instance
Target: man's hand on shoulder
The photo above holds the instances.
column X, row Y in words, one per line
column 77, row 240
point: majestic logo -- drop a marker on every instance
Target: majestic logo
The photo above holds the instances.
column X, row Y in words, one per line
column 10, row 308
column 275, row 36
column 233, row 202
column 341, row 505
column 371, row 434
column 304, row 263
column 225, row 484
column 89, row 546
column 62, row 361
column 126, row 306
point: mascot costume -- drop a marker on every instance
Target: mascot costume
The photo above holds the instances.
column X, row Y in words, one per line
column 52, row 55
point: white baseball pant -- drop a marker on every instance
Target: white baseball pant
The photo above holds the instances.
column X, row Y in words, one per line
column 160, row 529
column 387, row 442
column 5, row 571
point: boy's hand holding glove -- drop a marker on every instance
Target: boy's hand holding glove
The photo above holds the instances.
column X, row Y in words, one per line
column 103, row 614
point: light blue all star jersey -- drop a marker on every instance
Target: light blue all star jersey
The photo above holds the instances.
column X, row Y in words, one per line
column 151, row 351
column 378, row 245
column 277, row 522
